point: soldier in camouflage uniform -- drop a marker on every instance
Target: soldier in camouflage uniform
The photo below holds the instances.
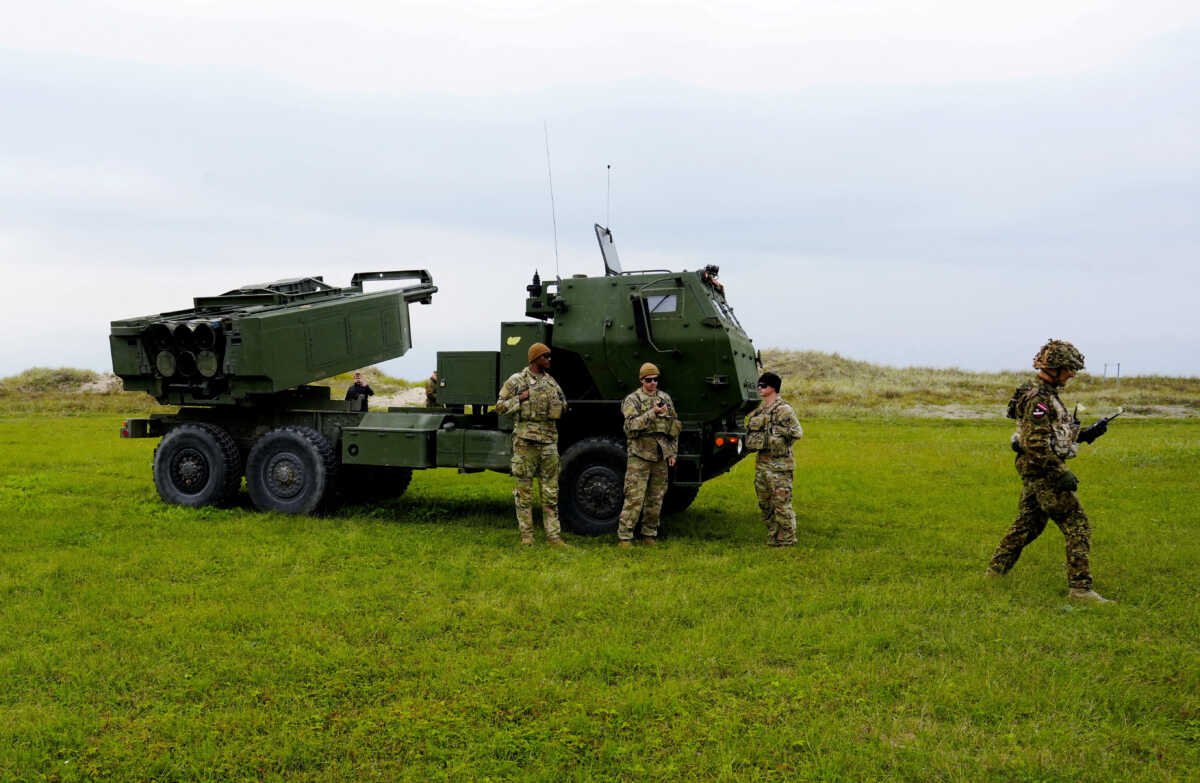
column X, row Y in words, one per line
column 652, row 433
column 772, row 429
column 1048, row 435
column 431, row 390
column 536, row 402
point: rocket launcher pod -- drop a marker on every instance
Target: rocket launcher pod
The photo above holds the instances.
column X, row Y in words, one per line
column 265, row 338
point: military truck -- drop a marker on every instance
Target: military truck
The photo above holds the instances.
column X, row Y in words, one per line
column 240, row 367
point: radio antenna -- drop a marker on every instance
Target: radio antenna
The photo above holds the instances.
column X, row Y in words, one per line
column 608, row 200
column 553, row 210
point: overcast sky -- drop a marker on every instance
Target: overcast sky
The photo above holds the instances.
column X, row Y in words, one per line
column 930, row 183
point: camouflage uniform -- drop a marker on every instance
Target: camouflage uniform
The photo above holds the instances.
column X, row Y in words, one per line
column 1047, row 435
column 772, row 431
column 651, row 441
column 431, row 390
column 535, row 445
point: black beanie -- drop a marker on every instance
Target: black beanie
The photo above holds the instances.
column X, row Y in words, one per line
column 771, row 379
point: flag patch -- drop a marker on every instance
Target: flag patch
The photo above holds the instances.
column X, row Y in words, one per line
column 1039, row 410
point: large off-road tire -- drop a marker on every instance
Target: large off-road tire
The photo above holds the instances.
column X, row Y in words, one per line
column 591, row 486
column 197, row 465
column 678, row 499
column 358, row 483
column 292, row 470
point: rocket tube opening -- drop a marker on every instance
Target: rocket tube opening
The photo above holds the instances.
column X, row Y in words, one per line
column 165, row 363
column 185, row 338
column 205, row 336
column 158, row 337
column 207, row 363
column 187, row 364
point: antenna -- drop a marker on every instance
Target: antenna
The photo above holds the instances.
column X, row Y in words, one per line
column 608, row 200
column 553, row 211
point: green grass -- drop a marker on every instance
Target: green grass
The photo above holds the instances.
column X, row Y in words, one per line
column 414, row 640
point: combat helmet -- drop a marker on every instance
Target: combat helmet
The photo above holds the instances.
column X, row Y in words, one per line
column 1058, row 354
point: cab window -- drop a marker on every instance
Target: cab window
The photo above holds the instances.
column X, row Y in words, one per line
column 662, row 304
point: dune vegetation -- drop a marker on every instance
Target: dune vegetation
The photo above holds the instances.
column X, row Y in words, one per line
column 818, row 385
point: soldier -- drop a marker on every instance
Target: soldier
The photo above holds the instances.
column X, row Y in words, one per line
column 359, row 390
column 652, row 433
column 1047, row 435
column 773, row 428
column 431, row 388
column 536, row 401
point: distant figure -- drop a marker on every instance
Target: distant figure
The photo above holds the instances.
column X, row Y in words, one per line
column 359, row 390
column 537, row 402
column 431, row 389
column 652, row 435
column 1047, row 435
column 773, row 428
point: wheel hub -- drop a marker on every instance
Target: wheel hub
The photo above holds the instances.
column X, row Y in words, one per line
column 285, row 476
column 189, row 471
column 599, row 492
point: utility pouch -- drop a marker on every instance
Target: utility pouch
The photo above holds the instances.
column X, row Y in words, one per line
column 519, row 466
column 540, row 397
column 526, row 408
column 776, row 445
column 660, row 424
column 756, row 435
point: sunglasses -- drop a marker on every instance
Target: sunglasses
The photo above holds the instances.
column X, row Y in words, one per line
column 764, row 385
column 650, row 379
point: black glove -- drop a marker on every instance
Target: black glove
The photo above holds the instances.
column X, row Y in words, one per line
column 1089, row 434
column 1067, row 482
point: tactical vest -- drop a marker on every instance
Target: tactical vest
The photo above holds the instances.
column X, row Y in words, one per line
column 659, row 438
column 544, row 403
column 1064, row 429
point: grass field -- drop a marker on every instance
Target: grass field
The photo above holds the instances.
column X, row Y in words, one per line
column 413, row 640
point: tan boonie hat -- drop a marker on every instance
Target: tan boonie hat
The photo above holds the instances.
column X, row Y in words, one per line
column 647, row 369
column 536, row 350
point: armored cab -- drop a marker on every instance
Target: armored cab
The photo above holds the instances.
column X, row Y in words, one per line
column 601, row 329
column 263, row 339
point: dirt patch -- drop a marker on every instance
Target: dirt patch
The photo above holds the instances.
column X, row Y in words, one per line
column 105, row 384
column 955, row 411
column 1161, row 412
column 408, row 398
column 952, row 411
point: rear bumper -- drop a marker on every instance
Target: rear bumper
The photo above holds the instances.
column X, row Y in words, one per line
column 143, row 428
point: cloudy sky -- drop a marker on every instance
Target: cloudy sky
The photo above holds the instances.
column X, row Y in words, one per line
column 927, row 182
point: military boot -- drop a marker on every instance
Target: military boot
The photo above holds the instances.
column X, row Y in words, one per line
column 623, row 544
column 1091, row 596
column 992, row 573
column 558, row 542
column 650, row 541
column 526, row 540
